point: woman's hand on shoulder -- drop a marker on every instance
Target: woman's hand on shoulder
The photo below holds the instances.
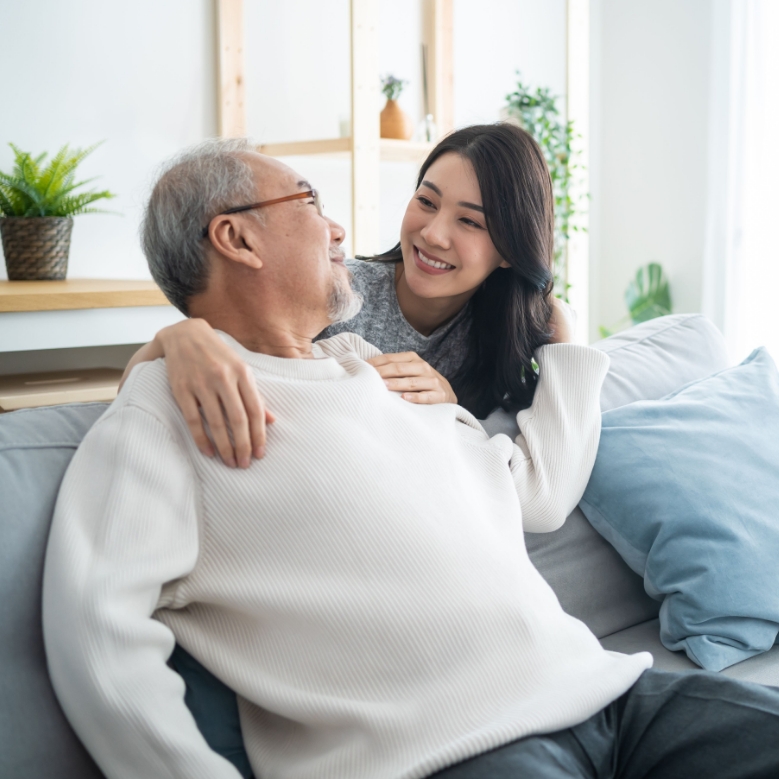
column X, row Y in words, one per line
column 205, row 373
column 562, row 323
column 418, row 381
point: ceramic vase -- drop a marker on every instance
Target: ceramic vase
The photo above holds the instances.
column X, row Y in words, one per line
column 395, row 122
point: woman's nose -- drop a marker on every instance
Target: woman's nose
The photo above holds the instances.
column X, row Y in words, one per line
column 436, row 232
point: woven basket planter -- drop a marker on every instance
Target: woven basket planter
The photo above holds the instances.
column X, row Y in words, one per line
column 36, row 247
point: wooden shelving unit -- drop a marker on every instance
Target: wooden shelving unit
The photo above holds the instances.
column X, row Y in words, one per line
column 365, row 148
column 390, row 150
column 78, row 294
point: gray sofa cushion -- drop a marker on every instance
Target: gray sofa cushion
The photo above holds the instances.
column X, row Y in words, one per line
column 658, row 357
column 647, row 362
column 763, row 668
column 590, row 579
column 35, row 448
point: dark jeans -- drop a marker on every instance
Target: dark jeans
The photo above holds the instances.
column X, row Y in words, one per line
column 667, row 726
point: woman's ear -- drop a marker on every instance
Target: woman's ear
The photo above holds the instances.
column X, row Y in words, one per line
column 504, row 264
column 231, row 237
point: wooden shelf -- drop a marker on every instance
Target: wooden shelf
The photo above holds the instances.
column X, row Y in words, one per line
column 330, row 146
column 78, row 294
column 32, row 390
column 390, row 150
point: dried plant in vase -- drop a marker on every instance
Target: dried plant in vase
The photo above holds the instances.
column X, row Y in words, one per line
column 395, row 122
column 37, row 206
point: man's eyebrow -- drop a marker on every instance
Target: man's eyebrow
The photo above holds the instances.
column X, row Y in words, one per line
column 304, row 184
column 462, row 203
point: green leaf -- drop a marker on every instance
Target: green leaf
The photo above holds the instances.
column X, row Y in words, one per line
column 648, row 295
column 32, row 191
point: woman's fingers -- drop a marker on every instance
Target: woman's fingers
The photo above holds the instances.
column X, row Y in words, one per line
column 191, row 412
column 408, row 373
column 257, row 415
column 413, row 383
column 232, row 403
column 426, row 398
column 392, row 370
column 398, row 357
column 215, row 416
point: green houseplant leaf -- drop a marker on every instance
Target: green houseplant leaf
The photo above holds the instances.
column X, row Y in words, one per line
column 536, row 111
column 31, row 190
column 648, row 295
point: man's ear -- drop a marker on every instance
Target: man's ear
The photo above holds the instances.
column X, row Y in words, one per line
column 231, row 237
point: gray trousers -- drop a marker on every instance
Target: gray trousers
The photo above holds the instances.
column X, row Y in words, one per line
column 667, row 726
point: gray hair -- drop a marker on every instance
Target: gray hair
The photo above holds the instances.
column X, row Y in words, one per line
column 191, row 189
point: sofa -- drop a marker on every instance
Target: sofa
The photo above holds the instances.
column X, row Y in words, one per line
column 590, row 579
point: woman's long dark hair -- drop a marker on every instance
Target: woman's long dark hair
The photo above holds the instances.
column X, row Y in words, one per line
column 512, row 307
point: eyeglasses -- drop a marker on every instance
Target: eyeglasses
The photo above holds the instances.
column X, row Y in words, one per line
column 313, row 193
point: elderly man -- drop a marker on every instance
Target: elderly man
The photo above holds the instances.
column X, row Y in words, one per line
column 365, row 587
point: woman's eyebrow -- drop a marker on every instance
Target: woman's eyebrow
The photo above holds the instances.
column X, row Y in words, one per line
column 462, row 203
column 432, row 186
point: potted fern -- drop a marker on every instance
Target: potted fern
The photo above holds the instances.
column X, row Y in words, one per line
column 37, row 206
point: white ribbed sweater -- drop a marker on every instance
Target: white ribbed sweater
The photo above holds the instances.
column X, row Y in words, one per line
column 364, row 588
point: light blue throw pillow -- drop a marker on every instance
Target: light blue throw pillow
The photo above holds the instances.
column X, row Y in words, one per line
column 686, row 488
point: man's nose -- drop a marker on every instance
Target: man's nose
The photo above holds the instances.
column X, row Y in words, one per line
column 337, row 233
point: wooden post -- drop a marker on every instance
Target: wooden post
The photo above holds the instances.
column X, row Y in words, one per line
column 365, row 126
column 437, row 33
column 578, row 110
column 230, row 80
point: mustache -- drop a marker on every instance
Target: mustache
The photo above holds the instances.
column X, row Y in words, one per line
column 337, row 253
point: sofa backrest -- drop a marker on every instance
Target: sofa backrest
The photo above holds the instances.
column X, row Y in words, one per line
column 35, row 448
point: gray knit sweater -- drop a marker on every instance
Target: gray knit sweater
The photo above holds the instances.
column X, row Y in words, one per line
column 382, row 323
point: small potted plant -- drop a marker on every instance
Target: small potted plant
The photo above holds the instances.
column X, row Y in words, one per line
column 395, row 122
column 37, row 206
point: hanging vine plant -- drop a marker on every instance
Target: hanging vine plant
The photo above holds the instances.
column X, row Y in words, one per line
column 537, row 112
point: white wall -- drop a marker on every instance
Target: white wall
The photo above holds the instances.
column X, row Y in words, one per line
column 650, row 69
column 139, row 76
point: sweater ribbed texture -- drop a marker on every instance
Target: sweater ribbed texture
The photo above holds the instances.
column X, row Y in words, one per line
column 364, row 588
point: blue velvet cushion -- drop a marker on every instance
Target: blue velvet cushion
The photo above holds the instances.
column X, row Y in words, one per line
column 686, row 488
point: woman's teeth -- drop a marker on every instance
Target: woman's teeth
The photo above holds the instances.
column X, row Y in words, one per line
column 433, row 263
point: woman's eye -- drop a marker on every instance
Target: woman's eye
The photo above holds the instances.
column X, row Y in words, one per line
column 424, row 201
column 471, row 223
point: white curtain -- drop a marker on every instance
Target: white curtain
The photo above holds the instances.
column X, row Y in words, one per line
column 741, row 264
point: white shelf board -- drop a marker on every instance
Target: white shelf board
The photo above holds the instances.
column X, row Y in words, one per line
column 31, row 330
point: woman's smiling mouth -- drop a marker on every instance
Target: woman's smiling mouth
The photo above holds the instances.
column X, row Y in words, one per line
column 431, row 265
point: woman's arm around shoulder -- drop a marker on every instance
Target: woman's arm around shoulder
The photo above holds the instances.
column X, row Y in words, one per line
column 205, row 373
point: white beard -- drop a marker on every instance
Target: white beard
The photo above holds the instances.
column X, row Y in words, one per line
column 344, row 303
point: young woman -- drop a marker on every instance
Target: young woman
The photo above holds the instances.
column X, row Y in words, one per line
column 458, row 306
